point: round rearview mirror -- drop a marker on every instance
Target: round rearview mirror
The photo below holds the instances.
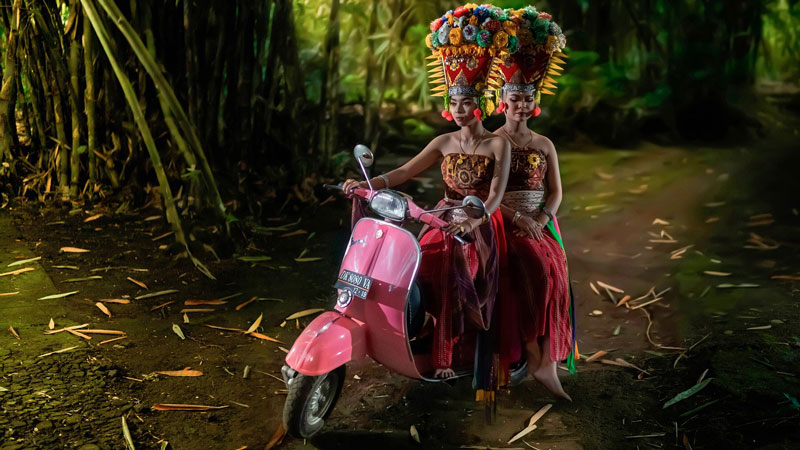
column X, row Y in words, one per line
column 363, row 154
column 473, row 206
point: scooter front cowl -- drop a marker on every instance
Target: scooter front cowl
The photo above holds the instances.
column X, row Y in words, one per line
column 329, row 341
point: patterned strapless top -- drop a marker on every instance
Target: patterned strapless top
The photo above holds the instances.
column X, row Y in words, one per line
column 528, row 169
column 467, row 175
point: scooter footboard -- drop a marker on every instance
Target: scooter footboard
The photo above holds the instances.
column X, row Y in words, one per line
column 328, row 342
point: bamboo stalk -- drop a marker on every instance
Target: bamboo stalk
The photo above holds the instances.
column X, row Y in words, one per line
column 130, row 96
column 330, row 83
column 36, row 90
column 74, row 65
column 271, row 81
column 152, row 68
column 90, row 102
column 7, row 99
column 215, row 85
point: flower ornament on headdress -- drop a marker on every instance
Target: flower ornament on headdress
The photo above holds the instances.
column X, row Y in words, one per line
column 466, row 44
column 538, row 45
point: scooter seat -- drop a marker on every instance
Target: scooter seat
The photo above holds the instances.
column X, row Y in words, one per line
column 415, row 311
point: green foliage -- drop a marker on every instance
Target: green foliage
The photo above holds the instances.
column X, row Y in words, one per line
column 417, row 128
column 780, row 53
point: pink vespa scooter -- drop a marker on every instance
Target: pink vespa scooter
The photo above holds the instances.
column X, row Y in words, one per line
column 379, row 310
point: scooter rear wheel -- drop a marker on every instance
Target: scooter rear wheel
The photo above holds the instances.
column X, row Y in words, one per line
column 310, row 401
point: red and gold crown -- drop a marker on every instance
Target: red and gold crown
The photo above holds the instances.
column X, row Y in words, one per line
column 465, row 43
column 532, row 68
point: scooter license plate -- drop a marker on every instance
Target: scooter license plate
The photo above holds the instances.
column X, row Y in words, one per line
column 356, row 283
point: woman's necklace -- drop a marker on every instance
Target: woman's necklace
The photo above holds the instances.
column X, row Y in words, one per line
column 477, row 144
column 530, row 141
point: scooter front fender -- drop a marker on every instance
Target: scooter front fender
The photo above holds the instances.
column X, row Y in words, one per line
column 328, row 342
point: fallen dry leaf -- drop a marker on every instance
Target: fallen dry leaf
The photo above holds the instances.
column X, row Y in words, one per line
column 197, row 310
column 162, row 305
column 98, row 331
column 121, row 301
column 137, row 282
column 187, row 372
column 103, row 308
column 79, row 334
column 414, row 434
column 610, row 288
column 9, row 293
column 226, row 328
column 762, row 327
column 177, row 330
column 92, row 218
column 73, row 250
column 52, row 324
column 204, row 302
column 264, row 337
column 245, row 303
column 277, row 437
column 58, row 351
column 624, row 300
column 303, row 260
column 658, row 221
column 112, row 340
column 255, row 324
column 594, row 288
column 716, row 274
column 294, row 233
column 306, row 312
column 598, row 354
column 183, row 407
column 638, row 190
column 74, row 327
column 786, row 277
column 17, row 272
column 155, row 294
column 13, row 332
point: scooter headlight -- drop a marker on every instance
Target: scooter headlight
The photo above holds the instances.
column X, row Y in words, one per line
column 344, row 298
column 389, row 204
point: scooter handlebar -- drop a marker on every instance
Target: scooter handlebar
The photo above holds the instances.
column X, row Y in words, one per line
column 415, row 211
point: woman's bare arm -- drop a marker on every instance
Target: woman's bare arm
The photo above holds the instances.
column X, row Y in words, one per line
column 553, row 178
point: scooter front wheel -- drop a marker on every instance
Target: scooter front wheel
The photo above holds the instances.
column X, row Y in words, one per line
column 310, row 401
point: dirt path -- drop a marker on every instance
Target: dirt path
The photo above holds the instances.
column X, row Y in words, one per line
column 612, row 199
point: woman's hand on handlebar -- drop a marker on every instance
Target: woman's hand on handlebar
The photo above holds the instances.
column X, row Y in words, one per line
column 350, row 184
column 463, row 228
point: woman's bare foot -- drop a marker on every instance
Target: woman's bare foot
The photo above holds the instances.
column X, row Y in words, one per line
column 444, row 373
column 547, row 375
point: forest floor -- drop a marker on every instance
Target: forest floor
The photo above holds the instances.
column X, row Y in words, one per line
column 740, row 330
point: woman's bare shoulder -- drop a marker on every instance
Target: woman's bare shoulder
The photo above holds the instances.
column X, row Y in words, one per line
column 543, row 143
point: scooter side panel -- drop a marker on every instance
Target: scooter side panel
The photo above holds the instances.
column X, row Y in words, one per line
column 390, row 255
column 329, row 341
